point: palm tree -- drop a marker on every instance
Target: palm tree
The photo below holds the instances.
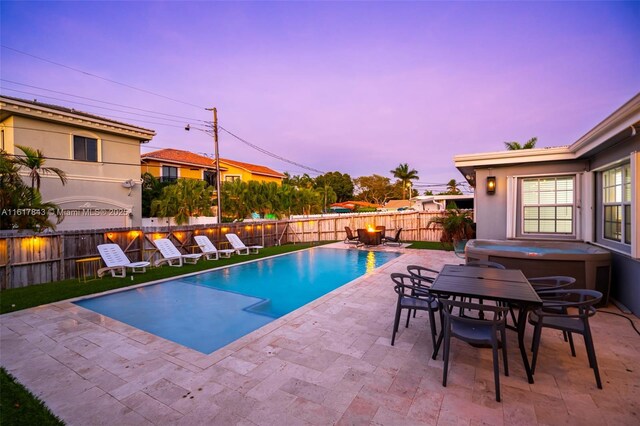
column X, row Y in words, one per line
column 404, row 175
column 34, row 160
column 452, row 187
column 513, row 146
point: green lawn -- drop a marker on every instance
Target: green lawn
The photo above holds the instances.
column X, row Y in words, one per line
column 19, row 407
column 429, row 245
column 35, row 295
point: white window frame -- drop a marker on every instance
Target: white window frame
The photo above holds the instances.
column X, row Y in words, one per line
column 515, row 208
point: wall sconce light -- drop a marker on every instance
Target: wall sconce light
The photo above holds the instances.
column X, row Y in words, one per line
column 491, row 185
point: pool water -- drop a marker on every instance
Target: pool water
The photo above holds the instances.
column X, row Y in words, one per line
column 532, row 249
column 208, row 311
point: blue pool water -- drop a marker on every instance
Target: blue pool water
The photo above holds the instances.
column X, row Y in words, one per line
column 207, row 311
column 532, row 249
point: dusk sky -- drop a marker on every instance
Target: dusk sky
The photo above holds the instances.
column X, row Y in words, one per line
column 352, row 87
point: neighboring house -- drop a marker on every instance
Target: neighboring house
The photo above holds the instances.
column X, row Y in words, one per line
column 588, row 191
column 171, row 164
column 436, row 203
column 100, row 157
column 397, row 204
column 353, row 205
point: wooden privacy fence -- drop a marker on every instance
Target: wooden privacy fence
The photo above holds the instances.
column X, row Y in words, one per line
column 41, row 258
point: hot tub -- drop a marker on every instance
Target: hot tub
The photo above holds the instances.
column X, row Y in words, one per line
column 589, row 265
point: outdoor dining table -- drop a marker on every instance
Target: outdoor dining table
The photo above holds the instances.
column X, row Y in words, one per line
column 501, row 285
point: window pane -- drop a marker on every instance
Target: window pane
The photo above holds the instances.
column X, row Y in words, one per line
column 564, row 226
column 548, row 226
column 565, row 184
column 530, row 198
column 565, row 197
column 79, row 151
column 547, row 198
column 547, row 185
column 531, row 213
column 547, row 212
column 530, row 186
column 627, row 224
column 530, row 226
column 564, row 213
column 92, row 150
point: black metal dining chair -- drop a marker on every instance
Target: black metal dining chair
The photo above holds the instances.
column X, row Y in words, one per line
column 413, row 296
column 568, row 312
column 488, row 331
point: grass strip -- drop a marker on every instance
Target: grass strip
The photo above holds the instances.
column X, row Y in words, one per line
column 27, row 297
column 18, row 407
column 430, row 245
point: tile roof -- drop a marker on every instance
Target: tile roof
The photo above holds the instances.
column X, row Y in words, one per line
column 253, row 168
column 179, row 156
column 186, row 157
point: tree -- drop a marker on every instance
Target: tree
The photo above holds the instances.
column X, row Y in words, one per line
column 514, row 146
column 428, row 192
column 183, row 199
column 452, row 188
column 21, row 206
column 457, row 225
column 342, row 185
column 374, row 189
column 34, row 160
column 151, row 190
column 404, row 175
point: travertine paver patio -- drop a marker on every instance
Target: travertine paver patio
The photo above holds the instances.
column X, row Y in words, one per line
column 328, row 363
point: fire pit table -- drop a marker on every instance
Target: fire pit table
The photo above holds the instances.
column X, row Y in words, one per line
column 370, row 237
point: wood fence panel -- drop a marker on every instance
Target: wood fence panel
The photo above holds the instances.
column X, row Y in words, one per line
column 35, row 259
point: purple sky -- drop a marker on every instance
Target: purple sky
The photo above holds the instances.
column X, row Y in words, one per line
column 354, row 87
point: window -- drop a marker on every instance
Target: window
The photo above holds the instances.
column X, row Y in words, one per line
column 547, row 205
column 169, row 173
column 231, row 178
column 616, row 201
column 85, row 149
column 209, row 177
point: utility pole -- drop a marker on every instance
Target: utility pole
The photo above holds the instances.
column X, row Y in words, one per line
column 217, row 154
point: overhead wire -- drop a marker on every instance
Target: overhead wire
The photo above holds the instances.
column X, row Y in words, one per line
column 100, row 77
column 95, row 100
column 101, row 107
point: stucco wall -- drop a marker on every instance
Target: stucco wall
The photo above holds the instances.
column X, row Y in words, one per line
column 491, row 210
column 96, row 183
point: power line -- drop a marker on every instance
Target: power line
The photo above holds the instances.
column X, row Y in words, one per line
column 270, row 154
column 100, row 77
column 98, row 106
column 95, row 100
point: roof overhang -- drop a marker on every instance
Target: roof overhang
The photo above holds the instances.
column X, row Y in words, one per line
column 211, row 166
column 10, row 107
column 619, row 126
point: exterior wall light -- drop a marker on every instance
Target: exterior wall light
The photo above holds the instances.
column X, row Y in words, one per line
column 491, row 185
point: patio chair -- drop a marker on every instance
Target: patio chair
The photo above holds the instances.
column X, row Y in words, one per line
column 117, row 262
column 575, row 311
column 476, row 332
column 414, row 296
column 209, row 251
column 240, row 247
column 393, row 241
column 485, row 264
column 422, row 273
column 171, row 255
column 351, row 239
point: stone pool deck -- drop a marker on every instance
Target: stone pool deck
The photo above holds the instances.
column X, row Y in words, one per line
column 329, row 362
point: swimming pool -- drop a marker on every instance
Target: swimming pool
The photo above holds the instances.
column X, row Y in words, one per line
column 210, row 310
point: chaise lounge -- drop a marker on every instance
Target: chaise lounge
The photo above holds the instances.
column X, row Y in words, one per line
column 240, row 247
column 209, row 251
column 171, row 255
column 117, row 262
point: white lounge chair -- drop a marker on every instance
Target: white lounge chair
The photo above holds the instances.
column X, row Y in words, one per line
column 117, row 262
column 210, row 251
column 171, row 255
column 239, row 246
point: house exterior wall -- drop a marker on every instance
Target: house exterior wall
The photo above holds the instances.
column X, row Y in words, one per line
column 245, row 175
column 491, row 209
column 93, row 196
column 184, row 171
